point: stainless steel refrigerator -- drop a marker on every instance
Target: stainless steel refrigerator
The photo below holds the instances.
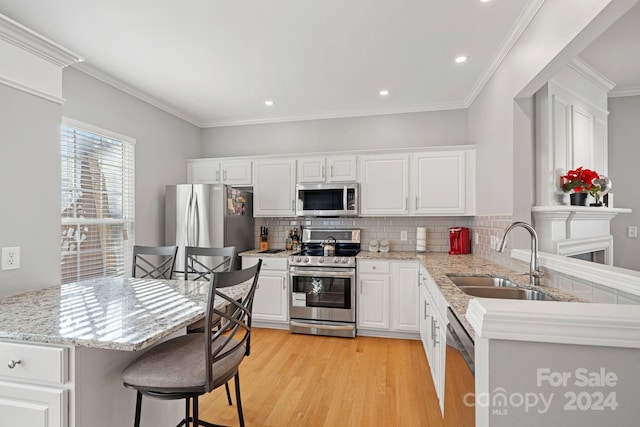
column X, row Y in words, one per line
column 208, row 215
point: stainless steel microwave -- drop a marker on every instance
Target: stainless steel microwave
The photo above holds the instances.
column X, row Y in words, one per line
column 327, row 199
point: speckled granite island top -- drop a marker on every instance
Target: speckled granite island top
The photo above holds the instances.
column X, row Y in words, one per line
column 441, row 264
column 109, row 313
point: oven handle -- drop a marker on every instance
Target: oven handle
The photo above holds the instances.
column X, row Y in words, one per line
column 323, row 273
column 318, row 326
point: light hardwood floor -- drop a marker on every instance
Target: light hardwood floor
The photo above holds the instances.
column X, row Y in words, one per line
column 304, row 380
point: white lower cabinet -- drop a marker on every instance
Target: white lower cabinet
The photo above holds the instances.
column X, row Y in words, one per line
column 33, row 385
column 271, row 301
column 388, row 296
column 433, row 330
column 404, row 296
column 32, row 405
column 373, row 295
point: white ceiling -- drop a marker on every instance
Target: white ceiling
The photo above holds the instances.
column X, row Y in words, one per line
column 215, row 62
column 616, row 53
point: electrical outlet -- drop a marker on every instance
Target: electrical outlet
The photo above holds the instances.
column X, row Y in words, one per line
column 11, row 258
column 476, row 238
column 632, row 231
column 403, row 235
column 493, row 242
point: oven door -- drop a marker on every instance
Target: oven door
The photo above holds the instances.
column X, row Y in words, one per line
column 323, row 294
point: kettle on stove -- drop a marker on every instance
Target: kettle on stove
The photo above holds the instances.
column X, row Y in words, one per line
column 328, row 247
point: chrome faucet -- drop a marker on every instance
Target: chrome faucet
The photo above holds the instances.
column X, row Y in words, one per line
column 535, row 273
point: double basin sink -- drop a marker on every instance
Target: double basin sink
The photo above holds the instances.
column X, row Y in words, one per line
column 496, row 287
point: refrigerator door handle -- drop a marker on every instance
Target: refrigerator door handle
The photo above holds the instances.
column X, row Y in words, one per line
column 196, row 221
column 188, row 220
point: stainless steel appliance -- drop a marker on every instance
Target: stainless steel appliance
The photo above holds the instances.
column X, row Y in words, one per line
column 208, row 215
column 320, row 200
column 323, row 288
column 459, row 379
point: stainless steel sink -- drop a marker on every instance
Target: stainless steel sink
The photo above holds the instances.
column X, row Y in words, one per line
column 481, row 281
column 484, row 286
column 507, row 293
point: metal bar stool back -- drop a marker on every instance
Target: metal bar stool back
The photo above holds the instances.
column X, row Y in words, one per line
column 191, row 365
column 153, row 262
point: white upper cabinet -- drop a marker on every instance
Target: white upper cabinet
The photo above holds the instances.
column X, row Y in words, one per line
column 442, row 183
column 327, row 169
column 384, row 184
column 216, row 171
column 274, row 187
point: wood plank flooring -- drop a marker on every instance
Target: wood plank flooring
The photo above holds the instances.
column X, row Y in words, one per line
column 305, row 380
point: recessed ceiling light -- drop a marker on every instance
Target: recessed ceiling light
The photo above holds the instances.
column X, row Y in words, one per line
column 268, row 103
column 384, row 92
column 461, row 59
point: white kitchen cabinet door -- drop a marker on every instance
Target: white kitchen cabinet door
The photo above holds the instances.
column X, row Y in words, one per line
column 32, row 405
column 342, row 169
column 384, row 184
column 327, row 169
column 205, row 171
column 215, row 171
column 373, row 301
column 311, row 169
column 236, row 172
column 274, row 188
column 439, row 183
column 271, row 301
column 425, row 322
column 405, row 296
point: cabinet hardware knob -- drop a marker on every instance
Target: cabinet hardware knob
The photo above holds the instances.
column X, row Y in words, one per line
column 13, row 363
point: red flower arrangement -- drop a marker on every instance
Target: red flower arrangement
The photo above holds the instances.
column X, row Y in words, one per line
column 580, row 181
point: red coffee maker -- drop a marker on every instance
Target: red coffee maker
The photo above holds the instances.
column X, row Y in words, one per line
column 459, row 241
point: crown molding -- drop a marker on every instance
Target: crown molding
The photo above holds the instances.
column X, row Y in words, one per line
column 587, row 71
column 130, row 90
column 31, row 90
column 509, row 41
column 21, row 36
column 628, row 91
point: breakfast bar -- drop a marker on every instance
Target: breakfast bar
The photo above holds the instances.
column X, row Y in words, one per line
column 63, row 348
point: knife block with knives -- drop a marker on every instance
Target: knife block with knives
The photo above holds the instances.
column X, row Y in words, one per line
column 264, row 239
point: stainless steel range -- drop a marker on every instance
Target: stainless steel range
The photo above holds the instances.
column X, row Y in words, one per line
column 323, row 283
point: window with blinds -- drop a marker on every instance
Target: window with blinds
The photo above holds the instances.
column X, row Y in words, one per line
column 97, row 202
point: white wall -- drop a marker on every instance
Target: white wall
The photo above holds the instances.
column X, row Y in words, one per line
column 163, row 142
column 374, row 132
column 558, row 32
column 30, row 189
column 30, row 168
column 624, row 152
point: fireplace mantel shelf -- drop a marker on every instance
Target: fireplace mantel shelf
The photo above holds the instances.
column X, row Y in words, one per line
column 595, row 210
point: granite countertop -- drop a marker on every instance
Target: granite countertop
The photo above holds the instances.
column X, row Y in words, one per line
column 256, row 252
column 109, row 313
column 439, row 264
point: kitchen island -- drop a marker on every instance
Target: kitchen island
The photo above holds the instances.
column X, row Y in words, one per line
column 63, row 348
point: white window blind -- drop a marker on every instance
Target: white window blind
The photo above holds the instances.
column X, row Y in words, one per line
column 97, row 202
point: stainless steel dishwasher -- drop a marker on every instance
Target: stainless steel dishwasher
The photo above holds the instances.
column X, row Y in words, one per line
column 459, row 388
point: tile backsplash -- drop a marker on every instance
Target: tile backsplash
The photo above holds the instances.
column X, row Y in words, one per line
column 379, row 228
